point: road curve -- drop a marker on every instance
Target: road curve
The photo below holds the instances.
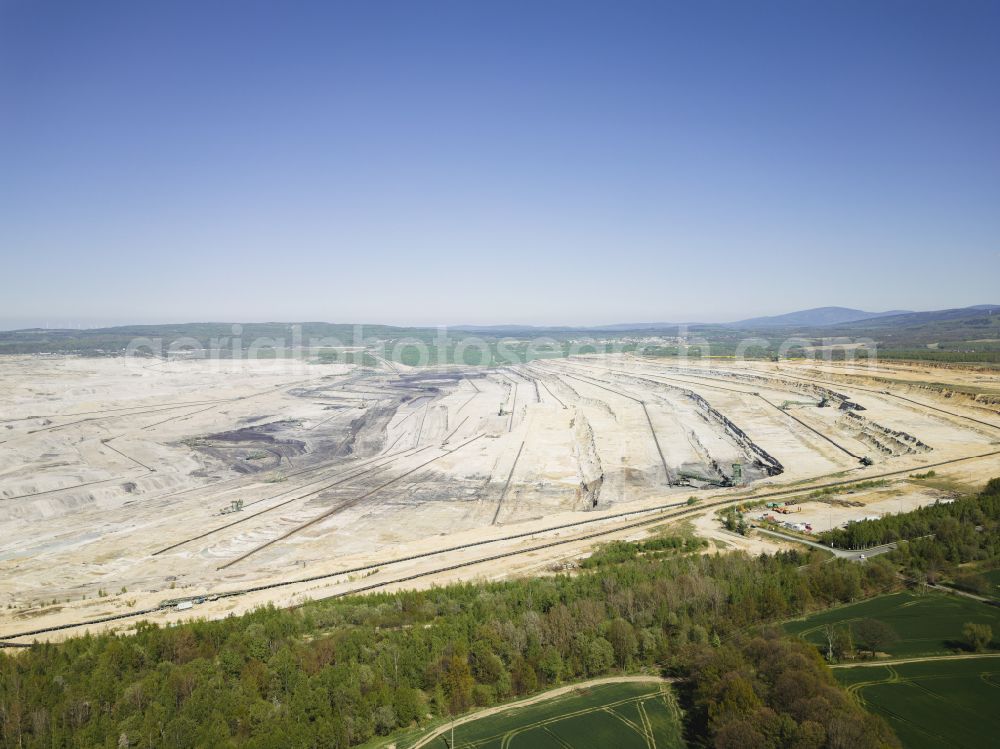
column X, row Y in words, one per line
column 855, row 555
column 547, row 695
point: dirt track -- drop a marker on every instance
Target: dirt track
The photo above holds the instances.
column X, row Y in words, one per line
column 367, row 473
column 924, row 659
column 557, row 692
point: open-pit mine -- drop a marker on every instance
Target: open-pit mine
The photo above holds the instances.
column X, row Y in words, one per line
column 142, row 489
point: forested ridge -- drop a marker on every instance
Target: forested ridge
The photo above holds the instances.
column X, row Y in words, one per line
column 339, row 673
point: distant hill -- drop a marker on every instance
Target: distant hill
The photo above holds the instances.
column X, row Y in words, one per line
column 980, row 314
column 626, row 327
column 818, row 316
column 507, row 329
column 969, row 334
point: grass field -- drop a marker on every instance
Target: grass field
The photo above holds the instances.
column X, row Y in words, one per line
column 927, row 624
column 946, row 703
column 626, row 716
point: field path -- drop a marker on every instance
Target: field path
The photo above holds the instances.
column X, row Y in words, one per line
column 547, row 695
column 922, row 659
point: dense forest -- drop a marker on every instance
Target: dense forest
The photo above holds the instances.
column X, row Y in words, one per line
column 772, row 691
column 338, row 673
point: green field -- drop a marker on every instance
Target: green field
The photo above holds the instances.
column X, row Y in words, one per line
column 991, row 589
column 993, row 576
column 927, row 624
column 947, row 703
column 627, row 716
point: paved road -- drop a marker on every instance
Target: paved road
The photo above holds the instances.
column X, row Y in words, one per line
column 854, row 555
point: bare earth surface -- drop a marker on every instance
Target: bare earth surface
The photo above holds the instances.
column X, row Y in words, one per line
column 118, row 477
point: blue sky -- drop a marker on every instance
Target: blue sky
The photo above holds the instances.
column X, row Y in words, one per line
column 495, row 162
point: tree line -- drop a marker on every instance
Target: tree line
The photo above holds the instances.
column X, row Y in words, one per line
column 933, row 540
column 337, row 673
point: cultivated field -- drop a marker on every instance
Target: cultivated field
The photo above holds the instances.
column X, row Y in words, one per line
column 626, row 715
column 927, row 624
column 127, row 486
column 937, row 703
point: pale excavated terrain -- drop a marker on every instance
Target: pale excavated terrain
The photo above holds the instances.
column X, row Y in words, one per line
column 114, row 473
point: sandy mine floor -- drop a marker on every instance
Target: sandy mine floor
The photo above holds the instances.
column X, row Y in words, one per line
column 117, row 478
column 836, row 511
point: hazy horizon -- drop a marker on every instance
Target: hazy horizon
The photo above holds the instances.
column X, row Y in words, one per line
column 13, row 325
